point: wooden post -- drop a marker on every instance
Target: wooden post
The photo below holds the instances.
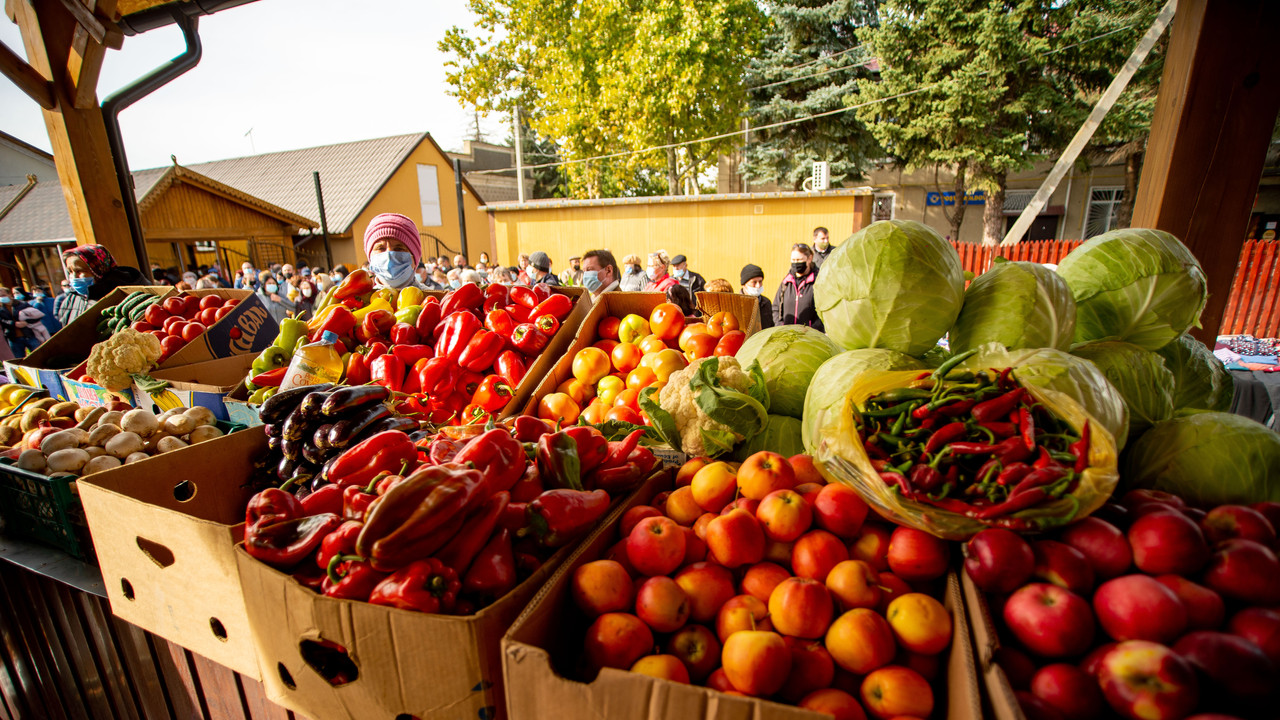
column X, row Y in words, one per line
column 1218, row 100
column 59, row 49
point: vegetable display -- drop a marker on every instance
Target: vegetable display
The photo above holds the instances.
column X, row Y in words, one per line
column 1139, row 376
column 1200, row 381
column 1016, row 304
column 1207, row 458
column 709, row 406
column 174, row 321
column 894, row 284
column 114, row 361
column 789, row 355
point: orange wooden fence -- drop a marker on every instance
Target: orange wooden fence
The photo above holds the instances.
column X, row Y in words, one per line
column 1253, row 307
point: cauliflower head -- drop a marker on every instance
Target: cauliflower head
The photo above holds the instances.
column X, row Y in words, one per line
column 125, row 353
column 709, row 425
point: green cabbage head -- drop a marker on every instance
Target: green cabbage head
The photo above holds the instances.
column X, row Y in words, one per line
column 1017, row 304
column 894, row 284
column 1200, row 381
column 789, row 355
column 1141, row 377
column 1208, row 458
column 781, row 435
column 832, row 382
column 1140, row 286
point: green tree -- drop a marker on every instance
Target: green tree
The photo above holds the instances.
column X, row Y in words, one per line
column 612, row 76
column 810, row 62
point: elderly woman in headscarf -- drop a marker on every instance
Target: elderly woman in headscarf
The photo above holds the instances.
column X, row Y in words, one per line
column 93, row 274
column 394, row 249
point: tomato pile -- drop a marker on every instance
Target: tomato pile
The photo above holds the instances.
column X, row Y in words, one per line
column 785, row 592
column 633, row 353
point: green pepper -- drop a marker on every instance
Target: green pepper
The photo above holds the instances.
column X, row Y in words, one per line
column 259, row 396
column 290, row 331
column 409, row 313
column 270, row 359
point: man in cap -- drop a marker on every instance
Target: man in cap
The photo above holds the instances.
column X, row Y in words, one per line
column 690, row 280
column 540, row 269
column 752, row 280
column 573, row 274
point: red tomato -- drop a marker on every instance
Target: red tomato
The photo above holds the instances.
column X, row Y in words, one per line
column 190, row 306
column 666, row 322
column 595, row 412
column 558, row 406
column 729, row 343
column 641, row 378
column 210, row 301
column 207, row 316
column 700, row 345
column 171, row 345
column 230, row 302
column 175, row 329
column 160, row 335
column 626, row 357
column 155, row 314
column 606, row 345
column 145, row 327
column 688, row 332
column 174, row 305
column 169, row 321
column 192, row 330
column 222, row 312
column 721, row 323
column 629, row 399
column 608, row 328
column 625, row 414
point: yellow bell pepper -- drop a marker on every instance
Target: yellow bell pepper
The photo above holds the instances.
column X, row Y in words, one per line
column 386, row 294
column 411, row 295
column 379, row 303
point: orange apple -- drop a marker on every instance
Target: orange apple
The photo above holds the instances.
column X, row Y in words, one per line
column 667, row 667
column 801, row 607
column 662, row 604
column 602, row 586
column 697, row 648
column 714, row 486
column 855, row 584
column 860, row 641
column 682, row 507
column 815, row 553
column 811, row 669
column 684, row 475
column 756, row 662
column 895, row 690
column 742, row 612
column 806, row 471
column 700, row 525
column 736, row 539
column 920, row 623
column 695, row 548
column 872, row 546
column 764, row 472
column 840, row 511
column 709, row 587
column 761, row 578
column 836, row 703
column 617, row 640
column 656, row 546
column 783, row 514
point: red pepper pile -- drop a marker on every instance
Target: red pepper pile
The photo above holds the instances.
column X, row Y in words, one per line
column 446, row 525
column 976, row 444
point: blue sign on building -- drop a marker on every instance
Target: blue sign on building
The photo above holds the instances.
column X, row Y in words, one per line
column 977, row 197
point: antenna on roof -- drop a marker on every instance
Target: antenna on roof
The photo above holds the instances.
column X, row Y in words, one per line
column 249, row 134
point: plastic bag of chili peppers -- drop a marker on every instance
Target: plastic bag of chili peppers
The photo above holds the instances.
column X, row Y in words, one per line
column 958, row 449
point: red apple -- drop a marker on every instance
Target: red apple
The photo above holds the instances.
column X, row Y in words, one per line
column 696, row 647
column 1237, row 521
column 1033, row 708
column 872, row 546
column 784, row 515
column 1260, row 626
column 1270, row 509
column 618, row 554
column 1114, row 513
column 633, row 516
column 735, row 539
column 662, row 604
column 602, row 586
column 667, row 667
column 998, row 560
column 617, row 640
column 801, row 607
column 1102, row 544
column 1137, row 607
column 1092, row 662
column 1228, row 665
column 709, row 586
column 839, row 510
column 1137, row 498
column 1049, row 620
column 761, row 578
column 1069, row 690
column 742, row 612
column 719, row 681
column 811, row 669
column 756, row 662
column 1205, row 610
column 747, row 504
column 1142, row 679
column 816, row 552
column 1017, row 667
column 891, row 588
column 1062, row 565
column 806, row 471
column 838, row 704
column 695, row 548
column 1245, row 570
column 763, row 473
column 1167, row 542
column 656, row 546
column 915, row 555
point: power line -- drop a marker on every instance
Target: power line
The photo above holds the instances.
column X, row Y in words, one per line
column 813, row 75
column 825, row 57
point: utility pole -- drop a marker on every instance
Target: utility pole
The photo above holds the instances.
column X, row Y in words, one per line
column 519, row 157
column 462, row 210
column 324, row 225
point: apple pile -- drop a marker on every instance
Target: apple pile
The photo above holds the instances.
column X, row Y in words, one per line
column 760, row 580
column 1151, row 607
column 181, row 319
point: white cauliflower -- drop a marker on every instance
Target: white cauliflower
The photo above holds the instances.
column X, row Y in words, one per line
column 125, row 353
column 700, row 435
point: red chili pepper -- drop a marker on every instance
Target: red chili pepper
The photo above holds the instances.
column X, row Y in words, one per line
column 326, row 499
column 467, row 297
column 357, row 369
column 971, row 448
column 481, row 351
column 270, row 378
column 893, row 478
column 528, row 339
column 388, row 451
column 500, row 321
column 499, row 457
column 462, row 549
column 1028, row 428
column 955, row 409
column 1016, row 502
column 438, row 376
column 427, row 586
column 1080, row 449
column 403, row 333
column 493, row 574
column 923, row 412
column 410, row 354
column 943, row 435
column 1039, row 478
column 1011, row 450
column 999, row 407
column 926, row 478
column 469, row 382
column 523, row 296
column 374, row 351
column 556, row 517
column 621, row 450
column 1044, row 460
column 511, row 367
column 987, row 471
column 342, row 541
column 356, row 285
column 388, row 371
column 493, row 394
column 456, row 331
column 547, row 324
column 557, row 305
column 427, row 319
column 1013, row 474
column 1001, row 429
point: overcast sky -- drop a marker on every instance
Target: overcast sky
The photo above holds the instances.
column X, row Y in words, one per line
column 299, row 73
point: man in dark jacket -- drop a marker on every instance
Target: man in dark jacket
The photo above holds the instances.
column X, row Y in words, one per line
column 540, row 270
column 692, row 281
column 21, row 339
column 794, row 304
column 821, row 245
column 752, row 280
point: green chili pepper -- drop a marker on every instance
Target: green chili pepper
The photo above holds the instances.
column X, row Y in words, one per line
column 891, row 411
column 952, row 362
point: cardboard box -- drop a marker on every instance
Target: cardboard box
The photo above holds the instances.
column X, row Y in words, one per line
column 165, row 530
column 246, row 330
column 430, row 667
column 204, row 384
column 744, row 307
column 70, row 346
column 542, row 647
column 986, row 641
column 92, row 394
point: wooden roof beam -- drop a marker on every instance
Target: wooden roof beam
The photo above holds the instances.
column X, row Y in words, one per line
column 26, row 78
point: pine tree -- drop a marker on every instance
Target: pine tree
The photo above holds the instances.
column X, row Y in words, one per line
column 810, row 63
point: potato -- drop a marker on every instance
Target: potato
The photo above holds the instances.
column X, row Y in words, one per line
column 61, row 440
column 32, row 460
column 102, row 433
column 202, row 415
column 140, row 422
column 124, row 444
column 136, row 457
column 179, row 424
column 95, row 451
column 111, row 417
column 170, row 444
column 168, row 414
column 100, row 463
column 69, row 460
column 202, row 433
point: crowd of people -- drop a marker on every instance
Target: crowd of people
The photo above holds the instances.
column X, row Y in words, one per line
column 394, row 248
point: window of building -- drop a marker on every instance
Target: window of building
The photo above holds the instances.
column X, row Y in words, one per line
column 429, row 195
column 1104, row 204
column 882, row 207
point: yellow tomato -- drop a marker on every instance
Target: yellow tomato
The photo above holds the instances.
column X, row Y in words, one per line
column 667, row 362
column 558, row 406
column 608, row 388
column 574, row 388
column 591, row 364
column 651, row 344
column 595, row 412
column 640, row 378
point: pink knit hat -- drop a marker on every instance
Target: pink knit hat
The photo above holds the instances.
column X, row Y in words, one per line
column 394, row 225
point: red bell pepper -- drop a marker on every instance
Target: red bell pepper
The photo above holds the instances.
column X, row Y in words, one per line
column 403, row 333
column 499, row 457
column 374, row 351
column 473, row 414
column 443, row 449
column 556, row 517
column 377, row 324
column 456, row 331
column 425, row 585
column 493, row 572
column 548, row 324
column 438, row 376
column 510, row 365
column 420, row 515
column 500, row 321
column 410, row 354
column 644, row 458
column 446, row 408
column 469, row 382
column 388, row 371
column 521, row 295
column 286, row 543
column 593, row 448
column 326, row 499
column 519, row 313
column 271, row 506
column 336, row 319
column 528, row 339
column 619, row 451
column 462, row 549
column 357, row 369
column 350, row 577
column 481, row 351
column 528, row 487
column 354, row 286
column 557, row 305
column 528, row 429
column 270, row 378
column 618, row 480
column 542, row 291
column 498, row 294
column 342, row 541
column 493, row 394
column 357, row 498
column 388, row 451
column 558, row 461
column 467, row 297
column 427, row 319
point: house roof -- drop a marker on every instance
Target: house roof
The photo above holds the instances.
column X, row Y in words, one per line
column 41, row 218
column 158, row 180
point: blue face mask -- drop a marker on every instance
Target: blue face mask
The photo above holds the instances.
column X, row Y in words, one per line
column 81, row 285
column 455, row 284
column 591, row 280
column 19, row 297
column 5, row 300
column 395, row 268
column 677, row 274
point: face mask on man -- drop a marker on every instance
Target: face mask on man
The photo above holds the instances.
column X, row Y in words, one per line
column 5, row 300
column 39, row 294
column 751, row 290
column 455, row 284
column 19, row 297
column 677, row 273
column 395, row 268
column 822, row 245
column 591, row 280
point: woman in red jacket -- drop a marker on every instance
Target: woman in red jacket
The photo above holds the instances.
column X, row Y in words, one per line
column 793, row 304
column 659, row 279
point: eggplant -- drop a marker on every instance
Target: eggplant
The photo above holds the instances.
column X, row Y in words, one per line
column 286, row 469
column 346, row 430
column 310, row 405
column 350, row 398
column 277, row 407
column 292, row 448
column 320, row 438
column 271, row 429
column 312, row 454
